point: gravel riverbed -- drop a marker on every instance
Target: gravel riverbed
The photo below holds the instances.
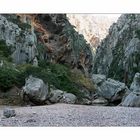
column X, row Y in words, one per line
column 72, row 115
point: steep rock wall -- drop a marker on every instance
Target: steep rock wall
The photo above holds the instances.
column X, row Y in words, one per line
column 119, row 53
column 48, row 37
column 20, row 37
column 62, row 43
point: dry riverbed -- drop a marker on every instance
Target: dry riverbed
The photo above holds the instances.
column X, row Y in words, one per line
column 72, row 115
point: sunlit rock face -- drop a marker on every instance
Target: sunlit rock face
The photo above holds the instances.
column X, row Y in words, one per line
column 94, row 27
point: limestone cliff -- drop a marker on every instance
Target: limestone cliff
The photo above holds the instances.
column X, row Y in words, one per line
column 48, row 37
column 63, row 44
column 19, row 37
column 94, row 27
column 119, row 53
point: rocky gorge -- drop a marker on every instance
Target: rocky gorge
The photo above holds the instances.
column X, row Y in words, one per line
column 45, row 61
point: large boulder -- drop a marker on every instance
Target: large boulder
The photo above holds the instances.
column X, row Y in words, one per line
column 9, row 113
column 133, row 98
column 100, row 102
column 56, row 95
column 59, row 96
column 36, row 90
column 84, row 101
column 98, row 78
column 68, row 98
column 135, row 86
column 112, row 90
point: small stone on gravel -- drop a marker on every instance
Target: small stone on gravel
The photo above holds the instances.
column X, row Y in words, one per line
column 9, row 113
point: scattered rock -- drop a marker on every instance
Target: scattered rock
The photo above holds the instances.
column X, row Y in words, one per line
column 35, row 62
column 36, row 90
column 135, row 86
column 100, row 101
column 59, row 96
column 68, row 98
column 9, row 113
column 98, row 78
column 112, row 90
column 132, row 100
column 56, row 95
column 30, row 121
column 85, row 101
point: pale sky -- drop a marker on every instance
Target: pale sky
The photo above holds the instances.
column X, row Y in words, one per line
column 108, row 15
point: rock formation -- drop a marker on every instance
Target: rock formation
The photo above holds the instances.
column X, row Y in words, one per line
column 50, row 48
column 36, row 90
column 19, row 37
column 108, row 90
column 62, row 43
column 47, row 37
column 94, row 27
column 133, row 97
column 119, row 53
column 9, row 113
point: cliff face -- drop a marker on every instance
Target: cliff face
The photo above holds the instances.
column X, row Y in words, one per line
column 19, row 37
column 62, row 43
column 47, row 37
column 119, row 53
column 94, row 27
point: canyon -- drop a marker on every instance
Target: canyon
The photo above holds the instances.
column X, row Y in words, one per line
column 52, row 59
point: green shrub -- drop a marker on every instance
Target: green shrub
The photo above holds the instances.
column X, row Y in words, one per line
column 16, row 20
column 8, row 78
column 138, row 33
column 81, row 80
column 53, row 74
column 5, row 50
column 58, row 75
column 24, row 26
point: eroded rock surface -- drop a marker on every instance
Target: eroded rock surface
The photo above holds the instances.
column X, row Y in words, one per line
column 133, row 98
column 36, row 90
column 119, row 53
column 21, row 40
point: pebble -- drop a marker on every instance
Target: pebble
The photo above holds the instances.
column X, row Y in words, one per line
column 9, row 113
column 73, row 115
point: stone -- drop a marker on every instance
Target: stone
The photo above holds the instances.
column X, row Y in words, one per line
column 59, row 96
column 132, row 100
column 100, row 101
column 68, row 98
column 36, row 90
column 135, row 86
column 35, row 62
column 9, row 113
column 30, row 121
column 98, row 78
column 56, row 95
column 1, row 63
column 112, row 90
column 85, row 101
column 133, row 97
